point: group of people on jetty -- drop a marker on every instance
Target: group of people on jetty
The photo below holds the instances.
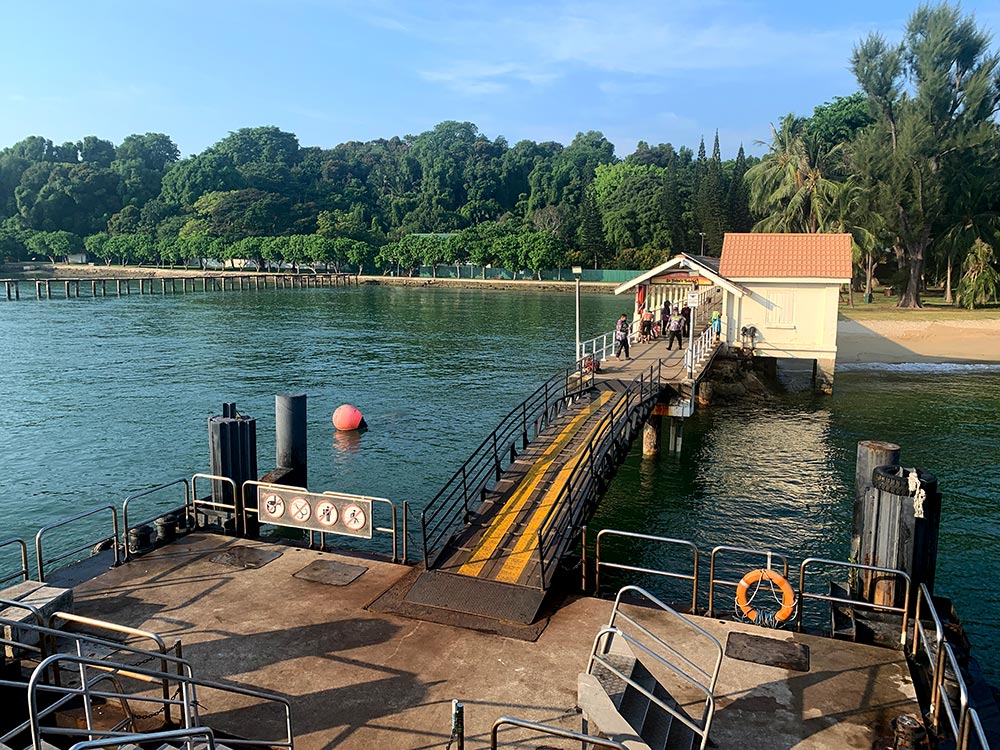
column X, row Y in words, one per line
column 673, row 322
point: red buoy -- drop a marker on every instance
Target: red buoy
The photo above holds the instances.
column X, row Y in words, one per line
column 348, row 418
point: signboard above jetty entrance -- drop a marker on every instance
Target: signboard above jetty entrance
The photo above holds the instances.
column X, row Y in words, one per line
column 329, row 512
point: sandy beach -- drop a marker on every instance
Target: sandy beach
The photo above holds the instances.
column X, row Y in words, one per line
column 898, row 341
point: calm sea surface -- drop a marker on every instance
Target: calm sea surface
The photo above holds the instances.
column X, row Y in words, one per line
column 103, row 398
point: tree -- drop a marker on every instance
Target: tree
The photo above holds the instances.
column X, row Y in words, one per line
column 925, row 134
column 980, row 282
column 789, row 187
column 188, row 180
column 738, row 200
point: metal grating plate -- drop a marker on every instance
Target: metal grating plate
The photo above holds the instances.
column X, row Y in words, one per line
column 242, row 556
column 331, row 572
column 768, row 651
column 475, row 596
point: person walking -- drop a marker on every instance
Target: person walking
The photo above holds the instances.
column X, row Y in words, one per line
column 675, row 327
column 645, row 325
column 686, row 317
column 621, row 337
column 716, row 325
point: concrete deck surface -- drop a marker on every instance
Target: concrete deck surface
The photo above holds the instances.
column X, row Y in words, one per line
column 357, row 679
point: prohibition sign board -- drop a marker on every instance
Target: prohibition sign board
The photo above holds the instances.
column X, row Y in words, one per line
column 328, row 512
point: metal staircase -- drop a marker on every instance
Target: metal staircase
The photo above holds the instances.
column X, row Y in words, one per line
column 628, row 691
column 75, row 689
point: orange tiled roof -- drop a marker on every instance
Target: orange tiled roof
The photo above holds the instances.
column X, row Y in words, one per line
column 765, row 256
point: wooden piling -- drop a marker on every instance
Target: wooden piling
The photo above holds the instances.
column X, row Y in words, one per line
column 871, row 453
column 651, row 435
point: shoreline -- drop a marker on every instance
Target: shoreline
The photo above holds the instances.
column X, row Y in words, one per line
column 945, row 341
column 951, row 338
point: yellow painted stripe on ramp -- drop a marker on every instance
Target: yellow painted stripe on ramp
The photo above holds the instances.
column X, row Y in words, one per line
column 527, row 543
column 488, row 545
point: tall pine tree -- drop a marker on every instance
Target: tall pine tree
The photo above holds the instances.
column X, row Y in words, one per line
column 710, row 205
column 740, row 219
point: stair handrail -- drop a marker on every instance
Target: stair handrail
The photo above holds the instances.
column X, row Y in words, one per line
column 613, row 630
column 553, row 532
column 602, row 643
column 188, row 735
column 484, row 467
column 47, row 638
column 935, row 656
column 617, row 613
column 24, row 574
column 186, row 692
column 585, row 739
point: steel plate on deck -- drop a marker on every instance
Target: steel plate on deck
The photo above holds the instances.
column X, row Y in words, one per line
column 331, row 572
column 476, row 596
column 768, row 651
column 246, row 557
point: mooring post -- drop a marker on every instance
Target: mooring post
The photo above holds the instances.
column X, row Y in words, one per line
column 651, row 435
column 290, row 428
column 232, row 440
column 871, row 453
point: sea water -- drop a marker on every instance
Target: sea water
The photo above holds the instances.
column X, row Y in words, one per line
column 107, row 397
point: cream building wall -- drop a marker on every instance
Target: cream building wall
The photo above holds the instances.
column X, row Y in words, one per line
column 794, row 318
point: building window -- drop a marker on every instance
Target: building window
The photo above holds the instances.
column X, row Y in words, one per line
column 780, row 310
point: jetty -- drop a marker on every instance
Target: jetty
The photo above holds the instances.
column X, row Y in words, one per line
column 123, row 286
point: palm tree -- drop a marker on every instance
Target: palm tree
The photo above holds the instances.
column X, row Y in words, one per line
column 851, row 212
column 790, row 186
column 980, row 281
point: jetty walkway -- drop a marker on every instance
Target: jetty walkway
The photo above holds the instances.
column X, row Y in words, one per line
column 496, row 533
column 123, row 286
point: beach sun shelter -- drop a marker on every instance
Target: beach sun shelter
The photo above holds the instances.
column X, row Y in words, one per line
column 793, row 284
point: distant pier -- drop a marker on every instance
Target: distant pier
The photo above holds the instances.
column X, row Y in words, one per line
column 119, row 286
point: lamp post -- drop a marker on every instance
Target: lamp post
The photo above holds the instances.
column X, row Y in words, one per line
column 702, row 251
column 577, row 273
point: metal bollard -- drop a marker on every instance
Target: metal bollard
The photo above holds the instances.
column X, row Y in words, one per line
column 457, row 724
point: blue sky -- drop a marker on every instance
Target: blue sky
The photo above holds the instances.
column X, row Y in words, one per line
column 338, row 70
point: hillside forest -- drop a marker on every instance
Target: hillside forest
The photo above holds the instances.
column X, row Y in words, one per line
column 909, row 165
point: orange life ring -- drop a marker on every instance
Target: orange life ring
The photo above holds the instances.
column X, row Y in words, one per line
column 787, row 595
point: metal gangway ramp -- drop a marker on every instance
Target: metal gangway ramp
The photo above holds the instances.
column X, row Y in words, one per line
column 494, row 535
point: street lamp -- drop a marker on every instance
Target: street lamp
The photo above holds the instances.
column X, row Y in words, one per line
column 702, row 252
column 577, row 273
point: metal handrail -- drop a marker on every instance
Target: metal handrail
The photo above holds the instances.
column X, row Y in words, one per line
column 590, row 348
column 484, row 467
column 957, row 723
column 128, row 500
column 23, row 573
column 612, row 630
column 937, row 657
column 51, row 634
column 584, row 739
column 617, row 612
column 635, row 569
column 186, row 699
column 803, row 594
column 973, row 723
column 768, row 555
column 553, row 532
column 40, row 561
column 188, row 735
column 195, row 502
column 114, row 627
column 381, row 529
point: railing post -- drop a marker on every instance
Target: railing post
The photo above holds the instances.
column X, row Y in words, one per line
column 496, row 457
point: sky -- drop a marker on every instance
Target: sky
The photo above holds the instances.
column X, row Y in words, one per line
column 332, row 71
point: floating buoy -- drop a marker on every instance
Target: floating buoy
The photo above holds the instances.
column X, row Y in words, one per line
column 348, row 418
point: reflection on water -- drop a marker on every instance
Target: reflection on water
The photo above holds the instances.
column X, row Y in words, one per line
column 347, row 443
column 107, row 397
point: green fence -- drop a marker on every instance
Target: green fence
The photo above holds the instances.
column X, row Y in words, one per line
column 611, row 276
